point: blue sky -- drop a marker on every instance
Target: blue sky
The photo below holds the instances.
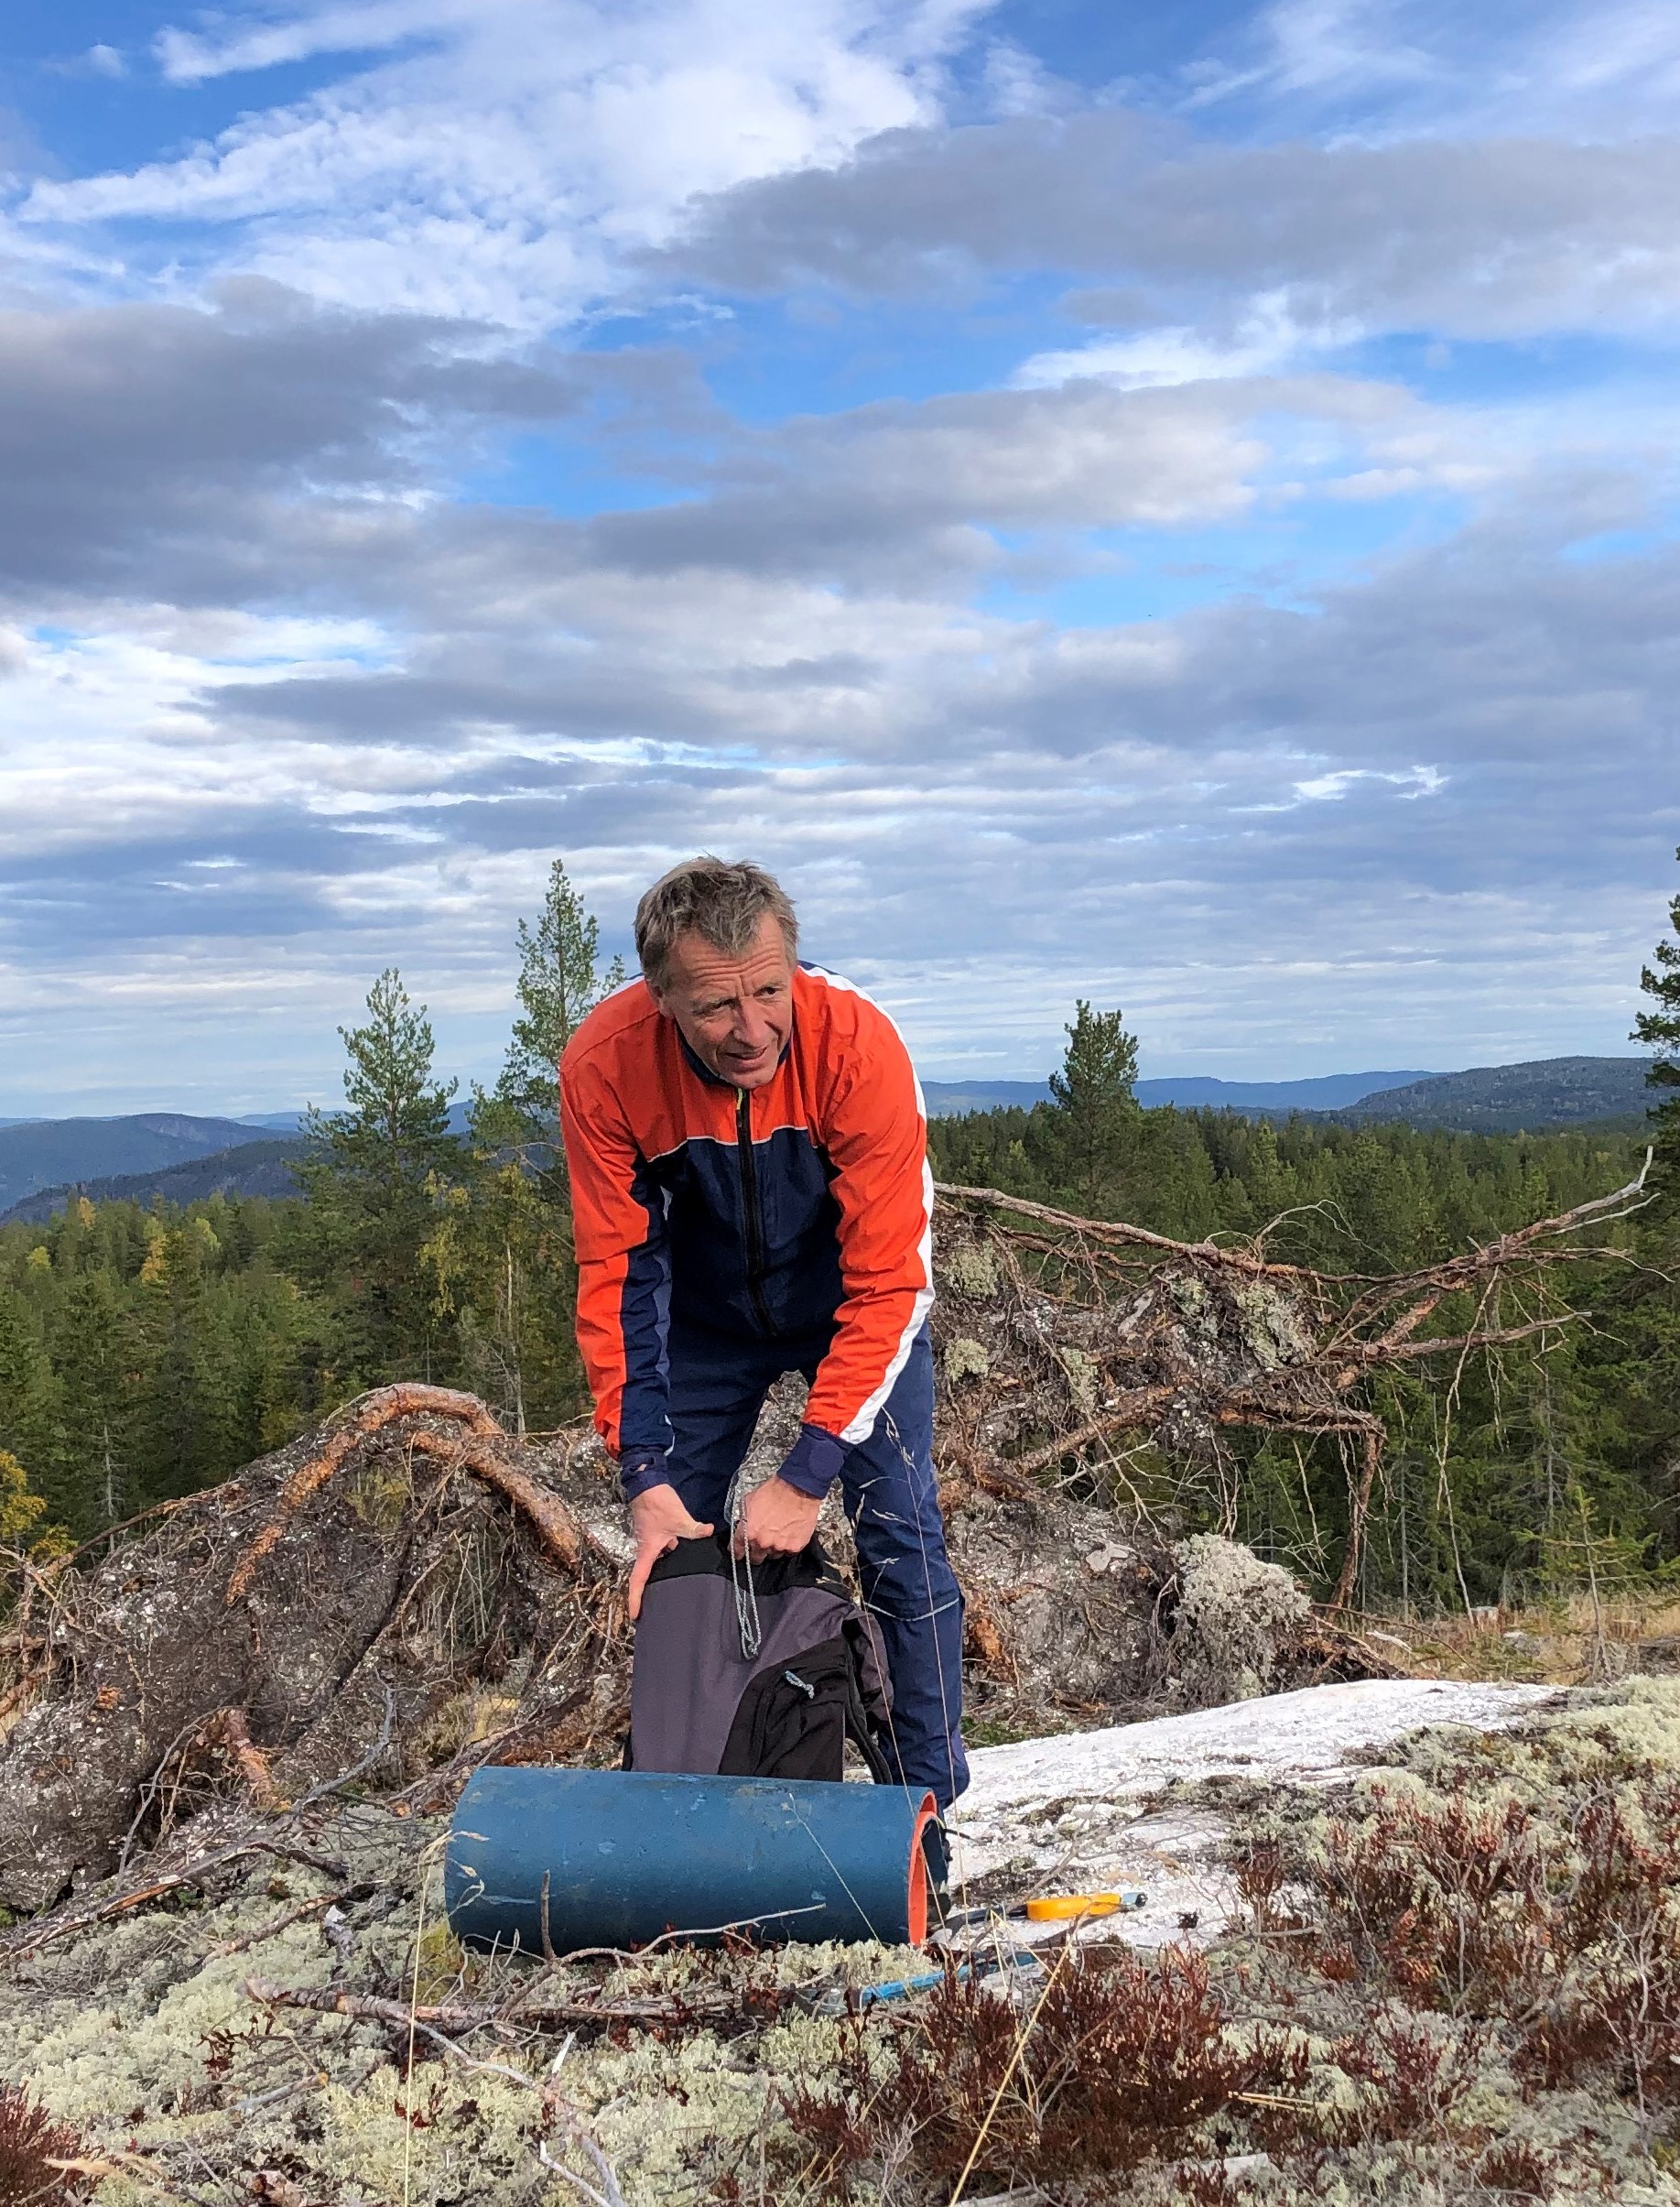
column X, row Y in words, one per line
column 1174, row 506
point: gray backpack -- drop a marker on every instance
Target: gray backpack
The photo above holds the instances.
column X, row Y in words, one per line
column 759, row 1672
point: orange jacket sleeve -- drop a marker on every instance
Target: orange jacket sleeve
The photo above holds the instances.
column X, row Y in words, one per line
column 623, row 1264
column 875, row 1134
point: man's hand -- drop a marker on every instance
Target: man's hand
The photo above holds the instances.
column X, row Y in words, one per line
column 659, row 1521
column 775, row 1519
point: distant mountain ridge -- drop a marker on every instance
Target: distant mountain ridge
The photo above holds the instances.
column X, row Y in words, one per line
column 291, row 1122
column 46, row 1153
column 183, row 1158
column 1189, row 1091
column 260, row 1167
column 1549, row 1092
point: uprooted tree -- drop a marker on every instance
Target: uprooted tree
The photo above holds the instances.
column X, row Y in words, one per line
column 408, row 1591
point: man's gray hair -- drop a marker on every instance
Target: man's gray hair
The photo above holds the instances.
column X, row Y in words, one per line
column 724, row 905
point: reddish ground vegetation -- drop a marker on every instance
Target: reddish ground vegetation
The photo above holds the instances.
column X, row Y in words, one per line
column 34, row 2150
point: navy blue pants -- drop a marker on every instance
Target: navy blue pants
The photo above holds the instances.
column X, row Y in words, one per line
column 717, row 1386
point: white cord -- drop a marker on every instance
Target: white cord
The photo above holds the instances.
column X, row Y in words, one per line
column 746, row 1599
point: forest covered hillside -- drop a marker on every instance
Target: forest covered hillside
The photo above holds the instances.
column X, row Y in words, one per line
column 1506, row 1099
column 257, row 1167
column 40, row 1152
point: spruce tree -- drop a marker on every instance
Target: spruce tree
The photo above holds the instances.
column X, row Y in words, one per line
column 94, row 1351
column 28, row 1394
column 1660, row 1031
column 560, row 981
column 373, row 1175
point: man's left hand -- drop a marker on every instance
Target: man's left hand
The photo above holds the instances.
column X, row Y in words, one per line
column 775, row 1519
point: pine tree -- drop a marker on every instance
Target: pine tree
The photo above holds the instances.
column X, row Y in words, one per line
column 373, row 1175
column 1096, row 1109
column 1660, row 1031
column 500, row 1257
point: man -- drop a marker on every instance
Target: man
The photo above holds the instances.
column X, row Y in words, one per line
column 748, row 1151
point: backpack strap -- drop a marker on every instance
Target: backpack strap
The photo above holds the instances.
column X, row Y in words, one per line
column 863, row 1727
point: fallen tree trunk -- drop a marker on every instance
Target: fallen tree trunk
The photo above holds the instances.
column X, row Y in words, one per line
column 246, row 1642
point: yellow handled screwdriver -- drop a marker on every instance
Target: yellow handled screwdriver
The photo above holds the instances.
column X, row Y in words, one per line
column 1058, row 1907
column 1055, row 1908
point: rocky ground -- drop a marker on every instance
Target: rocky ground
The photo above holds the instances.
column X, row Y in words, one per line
column 1377, row 1962
column 1409, row 1937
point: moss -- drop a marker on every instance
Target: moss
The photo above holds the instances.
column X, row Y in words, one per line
column 141, row 2029
column 380, row 1492
column 1273, row 1329
column 1235, row 1619
column 445, row 1969
column 476, row 1714
column 442, row 2136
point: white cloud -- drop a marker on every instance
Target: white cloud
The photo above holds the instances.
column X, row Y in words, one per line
column 1268, row 338
column 275, row 710
column 501, row 159
column 191, row 56
column 1219, row 820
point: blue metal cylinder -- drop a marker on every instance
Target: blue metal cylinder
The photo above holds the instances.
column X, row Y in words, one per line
column 618, row 1857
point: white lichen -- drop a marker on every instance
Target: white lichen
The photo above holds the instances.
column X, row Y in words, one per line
column 1235, row 1620
column 964, row 1358
column 968, row 1268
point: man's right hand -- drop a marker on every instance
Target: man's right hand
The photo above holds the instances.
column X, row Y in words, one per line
column 659, row 1521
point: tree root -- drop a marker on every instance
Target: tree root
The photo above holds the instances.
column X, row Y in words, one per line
column 385, row 1407
column 560, row 1532
column 1098, row 1329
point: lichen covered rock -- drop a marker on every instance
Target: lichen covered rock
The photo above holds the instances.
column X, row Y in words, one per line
column 1236, row 1623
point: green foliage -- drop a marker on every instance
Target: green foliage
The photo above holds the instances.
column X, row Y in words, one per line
column 146, row 1352
column 1482, row 1465
column 374, row 1176
column 1096, row 1114
column 500, row 1263
column 1660, row 1031
column 499, row 1258
column 20, row 1506
column 560, row 981
column 143, row 1353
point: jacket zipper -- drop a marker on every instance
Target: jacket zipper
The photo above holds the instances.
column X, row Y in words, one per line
column 749, row 1200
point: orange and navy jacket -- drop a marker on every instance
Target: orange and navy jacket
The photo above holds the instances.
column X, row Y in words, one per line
column 795, row 1211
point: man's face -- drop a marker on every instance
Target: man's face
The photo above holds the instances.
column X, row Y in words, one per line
column 735, row 1014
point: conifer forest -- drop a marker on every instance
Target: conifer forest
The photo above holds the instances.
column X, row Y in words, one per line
column 148, row 1352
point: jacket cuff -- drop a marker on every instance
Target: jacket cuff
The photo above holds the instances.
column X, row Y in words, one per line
column 641, row 1470
column 813, row 1463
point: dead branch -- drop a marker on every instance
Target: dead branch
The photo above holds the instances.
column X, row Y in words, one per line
column 538, row 2015
column 1192, row 1338
column 159, row 1887
column 1126, row 1416
column 284, row 1921
column 1113, row 1229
